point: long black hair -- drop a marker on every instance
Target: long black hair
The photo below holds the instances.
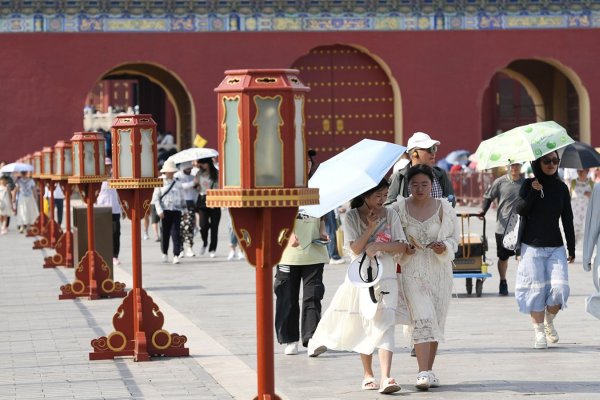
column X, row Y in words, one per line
column 213, row 172
column 360, row 200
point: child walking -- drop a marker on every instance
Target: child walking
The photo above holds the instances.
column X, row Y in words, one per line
column 6, row 205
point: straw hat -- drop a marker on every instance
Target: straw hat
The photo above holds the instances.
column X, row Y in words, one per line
column 169, row 166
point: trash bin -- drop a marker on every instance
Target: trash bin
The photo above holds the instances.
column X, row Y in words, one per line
column 102, row 234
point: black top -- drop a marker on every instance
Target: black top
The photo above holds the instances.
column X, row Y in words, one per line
column 542, row 214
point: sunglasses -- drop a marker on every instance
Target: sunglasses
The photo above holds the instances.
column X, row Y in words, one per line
column 432, row 150
column 551, row 160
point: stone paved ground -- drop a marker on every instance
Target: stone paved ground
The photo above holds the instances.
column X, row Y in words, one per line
column 487, row 353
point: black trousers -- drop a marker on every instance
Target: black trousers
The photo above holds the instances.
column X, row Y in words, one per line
column 170, row 227
column 209, row 220
column 287, row 309
column 116, row 231
column 58, row 206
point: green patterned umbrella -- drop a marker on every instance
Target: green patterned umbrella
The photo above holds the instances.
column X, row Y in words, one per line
column 523, row 143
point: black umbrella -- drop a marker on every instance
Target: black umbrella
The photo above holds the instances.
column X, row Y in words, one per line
column 579, row 156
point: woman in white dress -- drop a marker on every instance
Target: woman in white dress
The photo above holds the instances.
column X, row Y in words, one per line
column 27, row 209
column 431, row 226
column 581, row 192
column 374, row 229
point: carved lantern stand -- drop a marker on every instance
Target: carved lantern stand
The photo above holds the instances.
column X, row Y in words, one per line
column 92, row 275
column 138, row 322
column 262, row 178
column 37, row 228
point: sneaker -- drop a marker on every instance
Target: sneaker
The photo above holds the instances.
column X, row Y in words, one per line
column 503, row 288
column 336, row 261
column 116, row 261
column 145, row 237
column 230, row 257
column 203, row 250
column 433, row 380
column 423, row 381
column 175, row 260
column 212, row 254
column 540, row 340
column 291, row 349
column 165, row 258
column 181, row 254
column 550, row 330
column 314, row 349
column 241, row 255
column 189, row 252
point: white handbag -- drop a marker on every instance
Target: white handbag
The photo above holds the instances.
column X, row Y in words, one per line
column 510, row 240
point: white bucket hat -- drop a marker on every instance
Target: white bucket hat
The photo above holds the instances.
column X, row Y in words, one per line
column 358, row 271
column 420, row 140
column 169, row 166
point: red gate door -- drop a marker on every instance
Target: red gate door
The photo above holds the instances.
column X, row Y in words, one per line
column 350, row 99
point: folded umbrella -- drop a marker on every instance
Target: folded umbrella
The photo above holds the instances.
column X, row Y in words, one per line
column 351, row 173
column 579, row 155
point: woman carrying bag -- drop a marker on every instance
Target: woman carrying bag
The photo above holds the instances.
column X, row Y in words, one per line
column 376, row 230
column 542, row 286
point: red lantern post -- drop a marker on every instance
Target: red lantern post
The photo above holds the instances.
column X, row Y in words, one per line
column 262, row 177
column 92, row 275
column 51, row 231
column 63, row 162
column 138, row 321
column 38, row 226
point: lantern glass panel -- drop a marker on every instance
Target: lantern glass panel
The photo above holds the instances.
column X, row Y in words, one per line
column 101, row 158
column 125, row 156
column 68, row 162
column 47, row 163
column 89, row 161
column 57, row 167
column 147, row 155
column 232, row 142
column 299, row 151
column 37, row 167
column 76, row 163
column 268, row 148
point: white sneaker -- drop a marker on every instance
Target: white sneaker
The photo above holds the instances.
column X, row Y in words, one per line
column 549, row 329
column 165, row 258
column 241, row 255
column 540, row 340
column 203, row 250
column 145, row 237
column 175, row 260
column 423, row 381
column 116, row 261
column 231, row 255
column 314, row 349
column 181, row 254
column 291, row 349
column 333, row 261
column 189, row 252
column 433, row 380
column 212, row 254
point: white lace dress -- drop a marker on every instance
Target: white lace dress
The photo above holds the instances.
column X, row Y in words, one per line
column 579, row 204
column 342, row 326
column 427, row 277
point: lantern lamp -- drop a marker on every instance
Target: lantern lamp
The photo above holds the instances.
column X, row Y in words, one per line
column 88, row 158
column 63, row 160
column 37, row 164
column 47, row 162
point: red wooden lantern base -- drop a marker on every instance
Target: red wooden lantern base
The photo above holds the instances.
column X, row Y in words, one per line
column 92, row 280
column 138, row 332
column 34, row 229
column 64, row 254
column 50, row 236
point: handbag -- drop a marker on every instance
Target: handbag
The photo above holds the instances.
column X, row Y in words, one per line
column 511, row 237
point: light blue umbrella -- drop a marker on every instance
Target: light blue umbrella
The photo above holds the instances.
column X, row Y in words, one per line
column 16, row 167
column 458, row 157
column 351, row 173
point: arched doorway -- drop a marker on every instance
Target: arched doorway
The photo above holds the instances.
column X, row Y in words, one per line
column 351, row 98
column 536, row 90
column 154, row 90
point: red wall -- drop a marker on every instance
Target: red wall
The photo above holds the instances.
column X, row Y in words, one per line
column 44, row 78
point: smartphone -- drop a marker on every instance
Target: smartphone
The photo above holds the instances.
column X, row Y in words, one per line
column 320, row 241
